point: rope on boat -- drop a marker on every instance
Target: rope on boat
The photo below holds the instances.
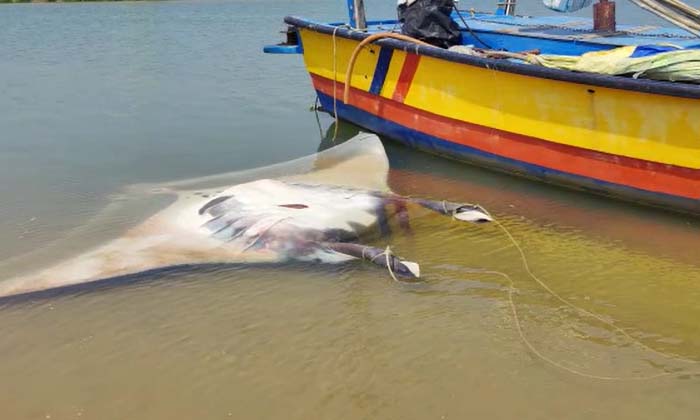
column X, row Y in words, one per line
column 335, row 82
column 466, row 25
column 378, row 36
column 358, row 48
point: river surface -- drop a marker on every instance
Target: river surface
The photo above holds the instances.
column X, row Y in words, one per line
column 97, row 97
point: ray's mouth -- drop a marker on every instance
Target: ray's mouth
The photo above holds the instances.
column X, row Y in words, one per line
column 480, row 221
column 294, row 206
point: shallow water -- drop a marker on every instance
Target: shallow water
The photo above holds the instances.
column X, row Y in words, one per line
column 109, row 95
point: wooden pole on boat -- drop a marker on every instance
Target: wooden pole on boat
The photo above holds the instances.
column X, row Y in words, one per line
column 356, row 13
column 674, row 11
column 506, row 7
column 510, row 7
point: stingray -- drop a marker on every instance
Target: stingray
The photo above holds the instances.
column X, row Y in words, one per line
column 323, row 215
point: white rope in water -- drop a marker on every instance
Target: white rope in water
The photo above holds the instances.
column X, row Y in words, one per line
column 590, row 314
column 444, row 208
column 559, row 365
column 518, row 323
column 388, row 254
column 387, row 251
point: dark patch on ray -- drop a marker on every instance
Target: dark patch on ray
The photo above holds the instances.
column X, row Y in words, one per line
column 225, row 226
column 205, row 224
column 213, row 202
column 236, row 233
column 340, row 235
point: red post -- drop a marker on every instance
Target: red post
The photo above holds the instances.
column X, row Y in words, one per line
column 604, row 16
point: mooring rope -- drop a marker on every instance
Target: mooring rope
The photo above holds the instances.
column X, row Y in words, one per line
column 519, row 328
column 388, row 253
column 559, row 365
column 590, row 314
column 335, row 82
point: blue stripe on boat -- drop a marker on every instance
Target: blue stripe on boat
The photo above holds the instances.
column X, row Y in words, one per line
column 446, row 148
column 380, row 71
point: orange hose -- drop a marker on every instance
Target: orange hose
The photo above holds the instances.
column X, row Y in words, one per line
column 356, row 52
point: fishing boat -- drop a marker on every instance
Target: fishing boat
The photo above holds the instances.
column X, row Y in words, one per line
column 508, row 95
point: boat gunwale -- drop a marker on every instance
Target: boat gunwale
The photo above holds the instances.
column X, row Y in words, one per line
column 648, row 86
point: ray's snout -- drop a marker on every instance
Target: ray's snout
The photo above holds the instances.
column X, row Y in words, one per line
column 472, row 213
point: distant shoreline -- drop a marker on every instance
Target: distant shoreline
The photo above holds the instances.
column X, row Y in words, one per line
column 56, row 1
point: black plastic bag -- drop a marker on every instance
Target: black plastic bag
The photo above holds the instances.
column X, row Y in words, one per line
column 430, row 21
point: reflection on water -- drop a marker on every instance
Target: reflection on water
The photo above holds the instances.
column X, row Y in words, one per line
column 305, row 341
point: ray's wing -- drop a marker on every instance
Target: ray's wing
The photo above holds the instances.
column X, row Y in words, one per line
column 189, row 232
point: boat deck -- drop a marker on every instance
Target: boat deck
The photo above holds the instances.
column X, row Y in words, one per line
column 556, row 34
column 579, row 29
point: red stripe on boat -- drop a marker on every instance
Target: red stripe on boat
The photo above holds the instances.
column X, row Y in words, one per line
column 621, row 170
column 410, row 65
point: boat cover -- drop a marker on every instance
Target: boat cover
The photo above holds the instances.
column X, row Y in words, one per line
column 659, row 62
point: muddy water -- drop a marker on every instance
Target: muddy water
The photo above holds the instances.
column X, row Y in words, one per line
column 152, row 92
